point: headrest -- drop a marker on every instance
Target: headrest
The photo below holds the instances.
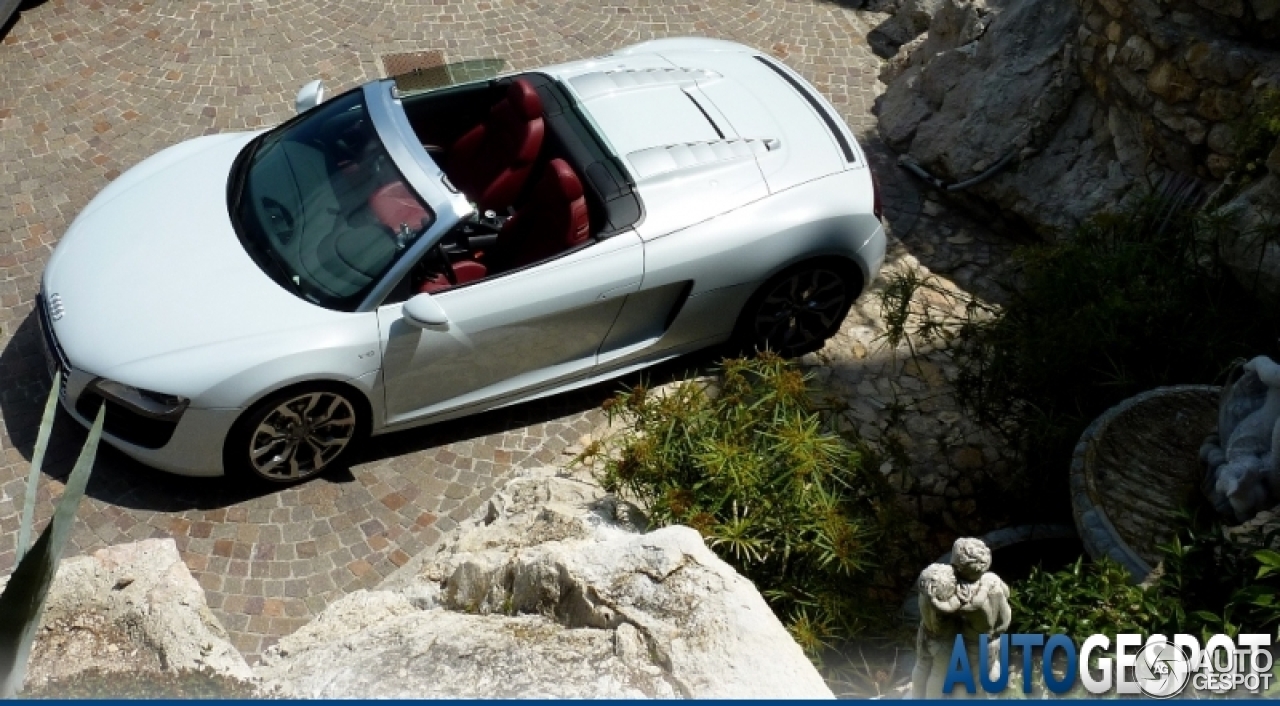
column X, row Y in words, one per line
column 524, row 100
column 561, row 177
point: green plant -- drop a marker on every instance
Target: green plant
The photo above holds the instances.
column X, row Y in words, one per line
column 24, row 596
column 1206, row 584
column 1136, row 299
column 1256, row 135
column 1084, row 599
column 759, row 468
column 1222, row 585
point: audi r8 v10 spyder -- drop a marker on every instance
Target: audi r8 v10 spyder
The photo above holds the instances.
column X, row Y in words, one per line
column 254, row 303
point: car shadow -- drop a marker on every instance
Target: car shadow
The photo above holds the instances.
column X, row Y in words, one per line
column 123, row 482
column 7, row 23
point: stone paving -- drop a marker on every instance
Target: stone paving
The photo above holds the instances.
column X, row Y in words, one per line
column 89, row 88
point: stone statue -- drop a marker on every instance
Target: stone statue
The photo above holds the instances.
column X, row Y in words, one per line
column 960, row 598
column 1242, row 457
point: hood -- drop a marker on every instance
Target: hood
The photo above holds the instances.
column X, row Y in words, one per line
column 152, row 266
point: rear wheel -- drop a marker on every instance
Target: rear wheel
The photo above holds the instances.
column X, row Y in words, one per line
column 296, row 434
column 798, row 309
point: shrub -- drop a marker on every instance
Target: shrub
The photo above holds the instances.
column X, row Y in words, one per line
column 1136, row 299
column 1085, row 599
column 1256, row 134
column 1206, row 584
column 756, row 466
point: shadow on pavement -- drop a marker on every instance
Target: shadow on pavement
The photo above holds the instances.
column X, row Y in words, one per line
column 120, row 481
column 10, row 10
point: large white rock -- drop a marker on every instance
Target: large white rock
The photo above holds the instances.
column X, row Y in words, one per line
column 551, row 592
column 129, row 607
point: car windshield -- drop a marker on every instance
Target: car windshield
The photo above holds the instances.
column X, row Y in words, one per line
column 321, row 207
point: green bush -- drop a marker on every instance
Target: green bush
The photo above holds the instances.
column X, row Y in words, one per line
column 1256, row 135
column 1084, row 599
column 1206, row 584
column 761, row 471
column 1136, row 299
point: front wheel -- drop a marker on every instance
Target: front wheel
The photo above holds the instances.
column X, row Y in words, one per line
column 295, row 434
column 798, row 309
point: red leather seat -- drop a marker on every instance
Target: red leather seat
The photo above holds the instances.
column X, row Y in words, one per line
column 491, row 162
column 394, row 205
column 553, row 220
column 464, row 271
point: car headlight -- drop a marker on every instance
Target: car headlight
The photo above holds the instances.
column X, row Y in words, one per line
column 152, row 404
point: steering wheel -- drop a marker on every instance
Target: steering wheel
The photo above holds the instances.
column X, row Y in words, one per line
column 437, row 251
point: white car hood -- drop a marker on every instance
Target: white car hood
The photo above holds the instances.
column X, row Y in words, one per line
column 153, row 266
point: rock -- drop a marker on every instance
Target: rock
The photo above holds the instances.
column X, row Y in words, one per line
column 1222, row 139
column 1171, row 83
column 1217, row 63
column 1266, row 9
column 1251, row 250
column 1219, row 104
column 1219, row 165
column 551, row 593
column 968, row 458
column 1138, row 53
column 909, row 21
column 1230, row 8
column 139, row 599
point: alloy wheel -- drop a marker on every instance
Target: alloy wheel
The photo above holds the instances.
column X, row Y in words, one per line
column 801, row 309
column 299, row 437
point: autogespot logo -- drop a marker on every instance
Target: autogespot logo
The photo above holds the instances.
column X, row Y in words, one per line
column 1157, row 667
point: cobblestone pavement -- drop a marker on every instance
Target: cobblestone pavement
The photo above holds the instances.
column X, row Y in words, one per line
column 89, row 88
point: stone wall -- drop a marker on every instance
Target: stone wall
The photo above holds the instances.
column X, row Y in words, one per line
column 1176, row 74
column 1088, row 98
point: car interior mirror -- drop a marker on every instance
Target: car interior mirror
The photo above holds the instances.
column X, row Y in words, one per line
column 309, row 96
column 423, row 310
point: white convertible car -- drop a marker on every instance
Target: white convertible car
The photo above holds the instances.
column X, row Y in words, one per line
column 254, row 303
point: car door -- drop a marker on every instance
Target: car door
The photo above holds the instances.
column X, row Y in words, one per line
column 508, row 333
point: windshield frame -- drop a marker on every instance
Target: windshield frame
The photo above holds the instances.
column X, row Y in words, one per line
column 424, row 176
column 419, row 171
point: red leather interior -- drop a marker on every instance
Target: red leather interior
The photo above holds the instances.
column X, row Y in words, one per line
column 394, row 204
column 553, row 220
column 464, row 271
column 490, row 163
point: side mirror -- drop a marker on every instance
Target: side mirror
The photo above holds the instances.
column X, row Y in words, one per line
column 423, row 310
column 309, row 96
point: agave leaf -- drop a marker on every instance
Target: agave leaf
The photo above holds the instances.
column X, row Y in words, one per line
column 37, row 460
column 23, row 598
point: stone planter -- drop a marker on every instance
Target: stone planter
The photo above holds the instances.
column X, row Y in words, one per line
column 1135, row 468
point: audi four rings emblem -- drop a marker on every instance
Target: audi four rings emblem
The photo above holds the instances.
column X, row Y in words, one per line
column 56, row 309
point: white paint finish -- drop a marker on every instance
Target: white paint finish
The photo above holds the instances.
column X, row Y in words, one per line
column 517, row 330
column 160, row 294
column 758, row 103
column 160, row 261
column 648, row 116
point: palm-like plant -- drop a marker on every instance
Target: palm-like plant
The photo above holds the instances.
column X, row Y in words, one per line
column 24, row 596
column 761, row 470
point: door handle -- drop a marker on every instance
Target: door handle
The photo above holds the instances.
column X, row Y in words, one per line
column 619, row 291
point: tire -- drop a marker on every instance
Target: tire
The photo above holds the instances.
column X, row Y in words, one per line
column 797, row 310
column 271, row 444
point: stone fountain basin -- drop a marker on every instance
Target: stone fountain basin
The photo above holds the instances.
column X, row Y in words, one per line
column 1136, row 467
